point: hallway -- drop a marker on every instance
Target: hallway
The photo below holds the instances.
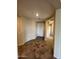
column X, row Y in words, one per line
column 36, row 28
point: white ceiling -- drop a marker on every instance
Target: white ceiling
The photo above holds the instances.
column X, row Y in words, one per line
column 44, row 8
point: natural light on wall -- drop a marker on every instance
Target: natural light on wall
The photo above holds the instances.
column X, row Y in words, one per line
column 50, row 28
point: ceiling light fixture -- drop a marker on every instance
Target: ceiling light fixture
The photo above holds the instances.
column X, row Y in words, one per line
column 37, row 14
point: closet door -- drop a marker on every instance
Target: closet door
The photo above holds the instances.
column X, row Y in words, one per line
column 40, row 29
column 20, row 30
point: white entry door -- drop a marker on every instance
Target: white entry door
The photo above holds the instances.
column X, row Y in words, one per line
column 40, row 29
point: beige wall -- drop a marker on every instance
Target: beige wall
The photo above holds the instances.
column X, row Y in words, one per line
column 30, row 29
column 26, row 30
column 20, row 30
